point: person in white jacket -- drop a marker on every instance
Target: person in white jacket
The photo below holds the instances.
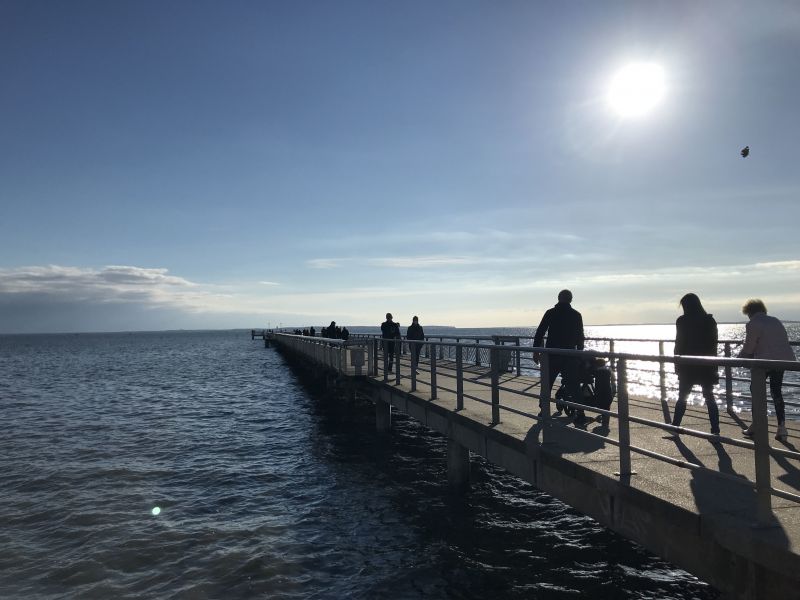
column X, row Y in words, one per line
column 766, row 338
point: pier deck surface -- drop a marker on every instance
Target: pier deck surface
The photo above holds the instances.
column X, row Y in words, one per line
column 705, row 494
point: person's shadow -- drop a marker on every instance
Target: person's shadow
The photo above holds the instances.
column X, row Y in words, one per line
column 559, row 437
column 722, row 498
column 791, row 477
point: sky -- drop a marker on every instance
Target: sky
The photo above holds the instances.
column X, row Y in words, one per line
column 196, row 164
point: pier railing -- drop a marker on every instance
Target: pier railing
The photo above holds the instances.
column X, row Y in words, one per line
column 448, row 368
column 645, row 377
column 352, row 358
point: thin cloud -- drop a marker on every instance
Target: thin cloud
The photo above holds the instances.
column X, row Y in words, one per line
column 269, row 283
column 324, row 263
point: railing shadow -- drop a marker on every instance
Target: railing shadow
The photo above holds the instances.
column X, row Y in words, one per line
column 716, row 497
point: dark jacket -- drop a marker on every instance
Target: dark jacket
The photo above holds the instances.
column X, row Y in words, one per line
column 390, row 330
column 696, row 335
column 563, row 326
column 415, row 332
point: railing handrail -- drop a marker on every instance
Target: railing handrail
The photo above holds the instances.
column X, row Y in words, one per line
column 748, row 363
column 489, row 338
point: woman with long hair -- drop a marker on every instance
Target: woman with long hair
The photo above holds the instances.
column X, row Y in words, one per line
column 696, row 335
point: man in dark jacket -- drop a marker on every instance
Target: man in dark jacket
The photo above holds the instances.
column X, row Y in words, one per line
column 415, row 332
column 389, row 331
column 563, row 326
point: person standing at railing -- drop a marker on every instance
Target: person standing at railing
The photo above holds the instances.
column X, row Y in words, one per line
column 415, row 332
column 696, row 335
column 389, row 331
column 766, row 338
column 563, row 326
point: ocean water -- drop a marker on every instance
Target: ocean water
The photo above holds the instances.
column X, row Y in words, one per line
column 266, row 488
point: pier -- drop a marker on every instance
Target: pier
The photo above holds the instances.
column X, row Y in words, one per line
column 722, row 507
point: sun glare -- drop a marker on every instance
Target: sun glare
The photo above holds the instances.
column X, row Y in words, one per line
column 636, row 89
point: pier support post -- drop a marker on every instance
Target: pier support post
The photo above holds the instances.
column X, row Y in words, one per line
column 383, row 416
column 457, row 465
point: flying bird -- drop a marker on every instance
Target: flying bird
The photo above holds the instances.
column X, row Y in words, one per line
column 745, row 152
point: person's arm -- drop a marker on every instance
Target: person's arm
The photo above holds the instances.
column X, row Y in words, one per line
column 581, row 337
column 680, row 337
column 538, row 338
column 749, row 348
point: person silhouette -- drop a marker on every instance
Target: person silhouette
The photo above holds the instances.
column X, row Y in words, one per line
column 766, row 338
column 696, row 335
column 389, row 331
column 415, row 332
column 564, row 328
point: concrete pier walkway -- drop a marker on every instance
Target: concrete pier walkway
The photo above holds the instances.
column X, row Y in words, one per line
column 692, row 500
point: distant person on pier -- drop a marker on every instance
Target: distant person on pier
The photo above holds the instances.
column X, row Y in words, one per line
column 766, row 338
column 332, row 330
column 696, row 335
column 415, row 332
column 563, row 326
column 312, row 332
column 345, row 334
column 389, row 331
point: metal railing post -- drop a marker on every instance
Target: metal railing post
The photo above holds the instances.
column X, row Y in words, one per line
column 662, row 376
column 477, row 353
column 459, row 377
column 519, row 357
column 728, row 379
column 441, row 349
column 396, row 364
column 375, row 357
column 494, row 360
column 545, row 386
column 433, row 374
column 612, row 362
column 758, row 391
column 412, row 349
column 427, row 348
column 624, row 424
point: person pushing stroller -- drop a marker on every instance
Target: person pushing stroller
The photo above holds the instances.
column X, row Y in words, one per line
column 563, row 326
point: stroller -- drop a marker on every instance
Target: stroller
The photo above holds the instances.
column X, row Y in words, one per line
column 596, row 388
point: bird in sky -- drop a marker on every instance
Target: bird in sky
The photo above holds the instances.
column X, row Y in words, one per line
column 745, row 152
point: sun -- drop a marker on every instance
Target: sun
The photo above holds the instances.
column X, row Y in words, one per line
column 636, row 89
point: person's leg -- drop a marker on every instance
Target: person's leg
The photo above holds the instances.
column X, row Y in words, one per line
column 684, row 389
column 390, row 355
column 571, row 375
column 711, row 405
column 776, row 391
column 775, row 385
column 553, row 368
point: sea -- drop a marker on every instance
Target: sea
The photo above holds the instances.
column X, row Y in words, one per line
column 199, row 464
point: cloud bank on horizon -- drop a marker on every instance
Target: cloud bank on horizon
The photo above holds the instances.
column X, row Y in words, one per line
column 217, row 166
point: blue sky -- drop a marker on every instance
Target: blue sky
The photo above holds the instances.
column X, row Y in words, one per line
column 209, row 164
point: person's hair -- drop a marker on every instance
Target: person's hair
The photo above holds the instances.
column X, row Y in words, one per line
column 691, row 305
column 415, row 318
column 753, row 306
column 565, row 296
column 388, row 315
